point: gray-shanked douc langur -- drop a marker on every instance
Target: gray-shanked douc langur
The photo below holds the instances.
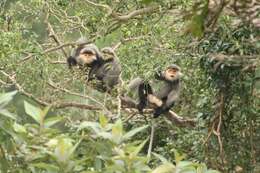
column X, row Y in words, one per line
column 104, row 67
column 160, row 94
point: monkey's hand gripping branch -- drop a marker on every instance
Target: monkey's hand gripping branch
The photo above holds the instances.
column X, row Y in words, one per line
column 161, row 110
column 160, row 105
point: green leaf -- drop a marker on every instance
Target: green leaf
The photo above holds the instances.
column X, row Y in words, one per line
column 88, row 124
column 105, row 135
column 33, row 111
column 7, row 114
column 212, row 171
column 139, row 148
column 146, row 1
column 186, row 163
column 62, row 152
column 178, row 157
column 73, row 149
column 202, row 168
column 131, row 133
column 117, row 131
column 19, row 128
column 165, row 168
column 6, row 98
column 48, row 167
column 44, row 113
column 51, row 121
column 103, row 121
column 162, row 159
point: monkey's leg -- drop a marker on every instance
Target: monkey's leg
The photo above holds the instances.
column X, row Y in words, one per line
column 154, row 100
column 162, row 109
column 142, row 97
column 148, row 88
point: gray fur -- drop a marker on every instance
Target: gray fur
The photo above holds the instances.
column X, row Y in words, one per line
column 108, row 72
column 167, row 91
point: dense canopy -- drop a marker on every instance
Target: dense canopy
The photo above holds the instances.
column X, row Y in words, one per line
column 52, row 120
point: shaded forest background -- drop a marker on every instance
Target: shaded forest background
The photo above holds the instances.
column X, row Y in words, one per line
column 72, row 127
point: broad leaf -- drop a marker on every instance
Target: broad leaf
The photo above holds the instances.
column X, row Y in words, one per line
column 33, row 111
column 7, row 114
column 103, row 121
column 165, row 168
column 19, row 128
column 117, row 131
column 162, row 159
column 62, row 151
column 51, row 121
column 131, row 133
column 48, row 167
column 139, row 148
column 6, row 98
column 92, row 125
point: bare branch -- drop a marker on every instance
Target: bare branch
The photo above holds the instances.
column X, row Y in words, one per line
column 50, row 83
column 106, row 7
column 20, row 89
column 61, row 105
column 51, row 31
column 124, row 18
column 134, row 13
column 54, row 49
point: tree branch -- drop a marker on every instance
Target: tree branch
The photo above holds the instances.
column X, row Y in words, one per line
column 124, row 18
column 126, row 102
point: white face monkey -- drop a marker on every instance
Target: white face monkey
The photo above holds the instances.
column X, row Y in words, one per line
column 163, row 98
column 102, row 67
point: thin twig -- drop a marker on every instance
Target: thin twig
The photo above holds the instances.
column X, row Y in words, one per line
column 50, row 83
column 151, row 140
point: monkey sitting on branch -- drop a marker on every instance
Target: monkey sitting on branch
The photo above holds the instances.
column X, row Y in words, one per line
column 103, row 66
column 162, row 94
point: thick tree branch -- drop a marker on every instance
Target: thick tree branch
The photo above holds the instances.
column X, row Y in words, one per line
column 172, row 116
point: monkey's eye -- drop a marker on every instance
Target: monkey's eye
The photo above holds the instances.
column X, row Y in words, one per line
column 172, row 71
column 88, row 53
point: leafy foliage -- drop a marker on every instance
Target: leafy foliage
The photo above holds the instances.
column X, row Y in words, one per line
column 41, row 129
column 46, row 149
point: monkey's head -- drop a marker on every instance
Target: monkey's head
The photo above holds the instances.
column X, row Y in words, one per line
column 88, row 55
column 171, row 73
column 108, row 53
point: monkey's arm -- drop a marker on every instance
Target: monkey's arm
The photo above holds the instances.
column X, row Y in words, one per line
column 159, row 75
column 167, row 104
column 92, row 73
column 71, row 61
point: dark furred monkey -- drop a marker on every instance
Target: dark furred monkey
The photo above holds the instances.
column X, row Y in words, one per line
column 162, row 94
column 164, row 98
column 104, row 68
column 109, row 70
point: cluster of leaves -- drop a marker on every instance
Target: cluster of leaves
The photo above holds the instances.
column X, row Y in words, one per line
column 240, row 108
column 155, row 43
column 89, row 147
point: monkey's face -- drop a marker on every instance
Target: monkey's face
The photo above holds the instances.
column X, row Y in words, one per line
column 172, row 74
column 87, row 57
column 108, row 54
